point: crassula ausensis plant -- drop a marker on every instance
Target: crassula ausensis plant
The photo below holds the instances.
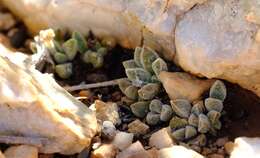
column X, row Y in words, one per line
column 64, row 51
column 142, row 86
column 193, row 122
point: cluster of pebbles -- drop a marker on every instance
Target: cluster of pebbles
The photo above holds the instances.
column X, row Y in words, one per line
column 141, row 110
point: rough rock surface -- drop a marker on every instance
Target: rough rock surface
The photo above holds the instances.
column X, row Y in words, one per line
column 180, row 85
column 161, row 139
column 178, row 152
column 217, row 40
column 246, row 147
column 104, row 151
column 21, row 151
column 135, row 150
column 131, row 23
column 34, row 107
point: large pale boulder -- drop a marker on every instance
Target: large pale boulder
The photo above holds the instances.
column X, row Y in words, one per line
column 218, row 39
column 246, row 147
column 131, row 23
column 35, row 110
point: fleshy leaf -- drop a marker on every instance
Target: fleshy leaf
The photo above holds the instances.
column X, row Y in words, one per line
column 131, row 92
column 181, row 107
column 137, row 56
column 190, row 132
column 149, row 91
column 70, row 48
column 155, row 106
column 177, row 122
column 140, row 109
column 64, row 70
column 152, row 118
column 148, row 56
column 179, row 134
column 81, row 42
column 213, row 104
column 159, row 65
column 204, row 124
column 166, row 113
column 138, row 75
column 60, row 58
column 218, row 90
column 129, row 64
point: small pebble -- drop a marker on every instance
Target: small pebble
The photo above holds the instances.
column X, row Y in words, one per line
column 138, row 127
column 108, row 130
column 85, row 93
column 229, row 146
column 221, row 141
column 215, row 156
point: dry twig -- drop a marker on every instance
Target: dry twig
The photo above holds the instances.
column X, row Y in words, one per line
column 93, row 85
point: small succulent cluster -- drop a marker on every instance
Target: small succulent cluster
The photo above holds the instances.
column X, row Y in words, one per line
column 142, row 85
column 64, row 51
column 201, row 118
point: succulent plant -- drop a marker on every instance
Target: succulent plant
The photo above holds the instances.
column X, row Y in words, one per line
column 142, row 84
column 149, row 91
column 64, row 51
column 60, row 57
column 81, row 42
column 140, row 109
column 64, row 71
column 94, row 58
column 159, row 112
column 218, row 90
column 190, row 123
column 145, row 67
column 70, row 48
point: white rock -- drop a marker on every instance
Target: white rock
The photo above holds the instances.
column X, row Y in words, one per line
column 123, row 139
column 180, row 85
column 135, row 150
column 35, row 107
column 221, row 43
column 107, row 112
column 152, row 21
column 108, row 130
column 246, row 147
column 104, row 151
column 21, row 151
column 178, row 152
column 161, row 139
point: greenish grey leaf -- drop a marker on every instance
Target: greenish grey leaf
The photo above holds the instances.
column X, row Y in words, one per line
column 81, row 42
column 64, row 71
column 70, row 48
column 148, row 56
